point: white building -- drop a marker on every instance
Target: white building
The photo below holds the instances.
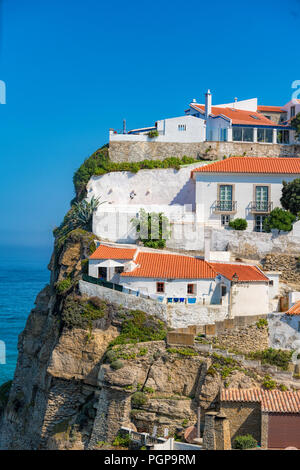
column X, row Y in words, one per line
column 241, row 187
column 238, row 121
column 179, row 279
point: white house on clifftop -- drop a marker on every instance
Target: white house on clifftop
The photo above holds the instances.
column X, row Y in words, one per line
column 238, row 121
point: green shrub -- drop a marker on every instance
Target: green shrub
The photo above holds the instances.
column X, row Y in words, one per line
column 156, row 225
column 153, row 134
column 117, row 364
column 122, row 440
column 64, row 285
column 262, row 323
column 80, row 313
column 238, row 224
column 274, row 357
column 139, row 399
column 269, row 383
column 183, row 351
column 244, row 442
column 280, row 220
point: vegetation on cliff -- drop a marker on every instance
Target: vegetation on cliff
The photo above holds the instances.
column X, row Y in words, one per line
column 138, row 327
column 99, row 163
column 79, row 312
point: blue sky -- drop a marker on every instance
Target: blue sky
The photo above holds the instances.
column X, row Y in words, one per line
column 75, row 68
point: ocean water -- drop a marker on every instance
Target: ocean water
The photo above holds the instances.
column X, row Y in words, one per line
column 23, row 273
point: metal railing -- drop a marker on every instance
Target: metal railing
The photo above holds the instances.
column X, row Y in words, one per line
column 261, row 206
column 225, row 206
column 101, row 282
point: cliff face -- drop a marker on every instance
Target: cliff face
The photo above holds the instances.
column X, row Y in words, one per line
column 69, row 392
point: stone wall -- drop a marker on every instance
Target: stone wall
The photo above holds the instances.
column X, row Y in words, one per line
column 244, row 418
column 253, row 245
column 176, row 316
column 137, row 151
column 244, row 339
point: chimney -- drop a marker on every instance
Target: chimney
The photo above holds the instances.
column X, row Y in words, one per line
column 124, row 126
column 207, row 247
column 207, row 104
column 235, row 102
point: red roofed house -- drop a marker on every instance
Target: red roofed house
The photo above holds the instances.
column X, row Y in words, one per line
column 272, row 417
column 241, row 187
column 178, row 279
column 239, row 121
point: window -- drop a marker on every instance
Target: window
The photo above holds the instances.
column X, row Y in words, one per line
column 262, row 198
column 181, row 127
column 119, row 269
column 259, row 223
column 242, row 134
column 160, row 287
column 293, row 111
column 298, row 325
column 191, row 288
column 283, row 137
column 225, row 219
column 225, row 195
column 223, row 135
column 223, row 290
column 102, row 273
column 265, row 135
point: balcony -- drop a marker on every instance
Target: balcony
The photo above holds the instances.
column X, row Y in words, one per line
column 261, row 207
column 223, row 207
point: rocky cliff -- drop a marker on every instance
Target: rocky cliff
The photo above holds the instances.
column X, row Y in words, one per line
column 86, row 367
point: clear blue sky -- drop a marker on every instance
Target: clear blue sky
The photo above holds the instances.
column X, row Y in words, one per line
column 74, row 68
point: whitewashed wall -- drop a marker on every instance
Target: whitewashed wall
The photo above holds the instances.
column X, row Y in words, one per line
column 250, row 299
column 168, row 131
column 205, row 288
column 176, row 316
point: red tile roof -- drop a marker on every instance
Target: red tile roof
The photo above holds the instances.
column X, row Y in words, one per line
column 280, row 165
column 164, row 266
column 169, row 266
column 295, row 309
column 273, row 401
column 239, row 116
column 245, row 273
column 110, row 252
column 270, row 109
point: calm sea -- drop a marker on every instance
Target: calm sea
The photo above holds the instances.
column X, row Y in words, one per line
column 23, row 273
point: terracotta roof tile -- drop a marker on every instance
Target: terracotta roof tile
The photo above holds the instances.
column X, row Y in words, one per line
column 244, row 272
column 273, row 401
column 295, row 309
column 164, row 266
column 239, row 116
column 280, row 165
column 270, row 109
column 110, row 252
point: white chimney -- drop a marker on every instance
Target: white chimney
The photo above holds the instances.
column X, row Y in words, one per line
column 207, row 104
column 207, row 247
column 235, row 102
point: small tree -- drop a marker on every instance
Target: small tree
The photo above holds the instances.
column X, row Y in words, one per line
column 279, row 219
column 295, row 124
column 153, row 228
column 238, row 224
column 290, row 198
